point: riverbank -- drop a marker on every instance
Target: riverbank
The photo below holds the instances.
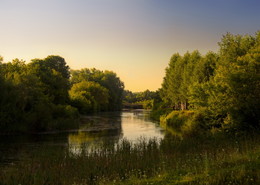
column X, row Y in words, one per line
column 218, row 159
column 101, row 156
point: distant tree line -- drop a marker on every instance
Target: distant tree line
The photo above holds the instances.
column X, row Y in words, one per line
column 223, row 87
column 143, row 99
column 46, row 95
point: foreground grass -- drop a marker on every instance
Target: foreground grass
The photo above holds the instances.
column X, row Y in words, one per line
column 212, row 160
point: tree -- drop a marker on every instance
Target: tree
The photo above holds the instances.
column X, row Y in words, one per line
column 172, row 80
column 89, row 96
column 180, row 75
column 116, row 89
column 203, row 73
column 58, row 64
column 234, row 92
column 106, row 79
column 33, row 98
column 21, row 95
column 54, row 75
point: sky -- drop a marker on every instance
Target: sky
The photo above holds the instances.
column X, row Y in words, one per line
column 133, row 38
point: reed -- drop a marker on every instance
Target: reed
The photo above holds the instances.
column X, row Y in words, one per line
column 218, row 159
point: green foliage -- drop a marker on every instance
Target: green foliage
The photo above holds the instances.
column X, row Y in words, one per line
column 184, row 123
column 184, row 75
column 54, row 75
column 225, row 85
column 81, row 100
column 64, row 117
column 108, row 81
column 147, row 104
column 89, row 97
column 58, row 64
column 31, row 94
column 235, row 88
column 133, row 97
column 39, row 96
column 143, row 99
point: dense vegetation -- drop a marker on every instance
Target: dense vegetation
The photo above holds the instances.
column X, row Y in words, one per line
column 45, row 95
column 214, row 160
column 143, row 99
column 221, row 90
column 201, row 96
column 94, row 90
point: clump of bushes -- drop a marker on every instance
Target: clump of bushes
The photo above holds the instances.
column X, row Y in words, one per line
column 186, row 123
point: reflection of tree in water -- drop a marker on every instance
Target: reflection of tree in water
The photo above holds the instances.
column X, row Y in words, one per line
column 96, row 132
column 22, row 147
column 142, row 114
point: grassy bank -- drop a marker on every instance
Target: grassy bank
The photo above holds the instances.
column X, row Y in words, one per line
column 194, row 123
column 180, row 121
column 217, row 159
column 157, row 113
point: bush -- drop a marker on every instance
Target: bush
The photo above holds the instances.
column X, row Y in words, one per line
column 185, row 123
column 156, row 114
column 64, row 117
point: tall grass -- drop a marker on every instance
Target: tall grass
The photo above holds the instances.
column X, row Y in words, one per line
column 212, row 160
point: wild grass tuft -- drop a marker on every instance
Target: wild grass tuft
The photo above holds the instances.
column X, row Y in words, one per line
column 213, row 160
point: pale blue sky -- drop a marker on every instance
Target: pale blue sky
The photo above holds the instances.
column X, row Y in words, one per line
column 134, row 38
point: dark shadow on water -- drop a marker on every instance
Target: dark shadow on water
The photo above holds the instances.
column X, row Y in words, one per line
column 96, row 131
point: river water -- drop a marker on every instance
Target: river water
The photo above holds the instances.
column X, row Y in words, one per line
column 94, row 132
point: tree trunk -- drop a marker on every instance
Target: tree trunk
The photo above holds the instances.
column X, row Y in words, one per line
column 182, row 106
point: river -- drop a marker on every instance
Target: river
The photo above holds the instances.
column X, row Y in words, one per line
column 95, row 131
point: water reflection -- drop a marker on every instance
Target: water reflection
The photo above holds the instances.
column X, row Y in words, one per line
column 15, row 148
column 96, row 131
column 136, row 124
column 106, row 129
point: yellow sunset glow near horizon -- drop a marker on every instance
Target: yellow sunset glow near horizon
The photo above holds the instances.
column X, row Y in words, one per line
column 135, row 39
